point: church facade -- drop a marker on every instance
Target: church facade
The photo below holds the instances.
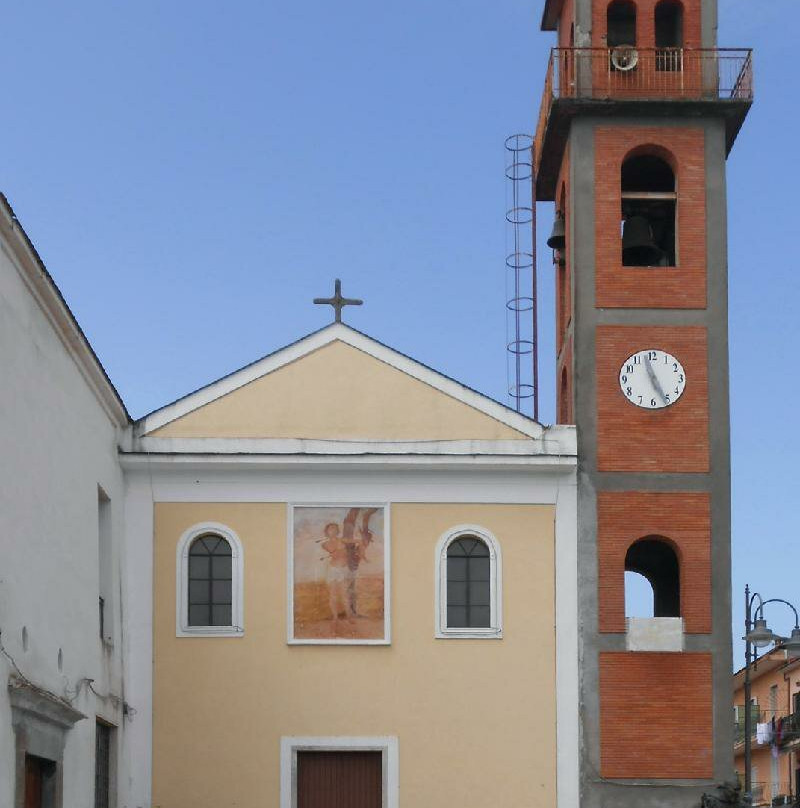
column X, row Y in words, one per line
column 338, row 574
column 391, row 552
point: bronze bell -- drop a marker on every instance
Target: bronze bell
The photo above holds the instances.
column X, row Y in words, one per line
column 557, row 240
column 639, row 248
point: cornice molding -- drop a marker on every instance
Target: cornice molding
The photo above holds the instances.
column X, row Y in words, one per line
column 44, row 705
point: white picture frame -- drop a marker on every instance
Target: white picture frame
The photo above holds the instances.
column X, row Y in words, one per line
column 358, row 628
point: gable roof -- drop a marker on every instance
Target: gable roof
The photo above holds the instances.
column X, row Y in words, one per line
column 337, row 332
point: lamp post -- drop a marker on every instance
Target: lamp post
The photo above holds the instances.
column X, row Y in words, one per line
column 759, row 635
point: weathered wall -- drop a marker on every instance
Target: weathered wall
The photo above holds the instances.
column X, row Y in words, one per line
column 57, row 445
column 475, row 719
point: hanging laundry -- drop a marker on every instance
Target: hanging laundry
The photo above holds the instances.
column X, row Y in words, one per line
column 764, row 732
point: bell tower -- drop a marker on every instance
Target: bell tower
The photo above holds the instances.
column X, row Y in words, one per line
column 639, row 113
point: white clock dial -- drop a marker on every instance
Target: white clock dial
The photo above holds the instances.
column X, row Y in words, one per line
column 652, row 379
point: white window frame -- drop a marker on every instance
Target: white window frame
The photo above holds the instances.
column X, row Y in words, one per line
column 182, row 628
column 495, row 630
column 387, row 745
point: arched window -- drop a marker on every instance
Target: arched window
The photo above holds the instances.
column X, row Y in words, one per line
column 654, row 559
column 468, row 581
column 649, row 206
column 621, row 23
column 669, row 35
column 209, row 582
column 468, row 584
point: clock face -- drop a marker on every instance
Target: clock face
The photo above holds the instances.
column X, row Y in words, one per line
column 652, row 379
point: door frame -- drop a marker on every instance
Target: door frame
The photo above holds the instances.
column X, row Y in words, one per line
column 385, row 744
column 41, row 722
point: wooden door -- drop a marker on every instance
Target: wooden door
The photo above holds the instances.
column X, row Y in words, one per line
column 344, row 779
column 33, row 782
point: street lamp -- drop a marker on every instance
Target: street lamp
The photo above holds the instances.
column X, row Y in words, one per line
column 759, row 635
column 792, row 645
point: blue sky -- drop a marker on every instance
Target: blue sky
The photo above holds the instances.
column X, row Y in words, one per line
column 193, row 174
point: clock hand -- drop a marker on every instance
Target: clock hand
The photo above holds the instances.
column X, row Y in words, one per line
column 652, row 374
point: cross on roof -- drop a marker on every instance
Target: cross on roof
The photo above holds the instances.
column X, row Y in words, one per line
column 337, row 301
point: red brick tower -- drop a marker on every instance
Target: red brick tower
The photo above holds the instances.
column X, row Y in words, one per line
column 639, row 113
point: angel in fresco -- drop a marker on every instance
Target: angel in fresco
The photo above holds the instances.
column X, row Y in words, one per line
column 338, row 572
column 346, row 550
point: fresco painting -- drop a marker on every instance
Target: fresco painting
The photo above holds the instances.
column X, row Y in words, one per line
column 339, row 564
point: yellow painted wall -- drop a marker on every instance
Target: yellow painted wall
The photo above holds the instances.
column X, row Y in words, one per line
column 338, row 393
column 771, row 672
column 475, row 719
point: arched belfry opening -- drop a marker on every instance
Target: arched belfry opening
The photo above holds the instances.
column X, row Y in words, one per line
column 669, row 24
column 655, row 559
column 668, row 20
column 649, row 206
column 621, row 23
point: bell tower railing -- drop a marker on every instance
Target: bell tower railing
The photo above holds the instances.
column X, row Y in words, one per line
column 651, row 73
column 637, row 78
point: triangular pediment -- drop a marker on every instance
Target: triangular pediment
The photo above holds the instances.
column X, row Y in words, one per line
column 338, row 384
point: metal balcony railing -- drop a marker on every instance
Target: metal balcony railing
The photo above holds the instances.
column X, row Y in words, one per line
column 773, row 717
column 646, row 74
column 785, row 725
column 788, row 728
column 759, row 793
column 653, row 73
column 784, row 799
column 772, row 794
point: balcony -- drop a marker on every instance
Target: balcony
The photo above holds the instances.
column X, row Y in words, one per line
column 788, row 729
column 770, row 792
column 773, row 794
column 656, row 82
column 785, row 727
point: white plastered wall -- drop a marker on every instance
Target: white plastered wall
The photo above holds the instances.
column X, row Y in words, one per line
column 57, row 444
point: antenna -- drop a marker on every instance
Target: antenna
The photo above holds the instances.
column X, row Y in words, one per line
column 522, row 344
